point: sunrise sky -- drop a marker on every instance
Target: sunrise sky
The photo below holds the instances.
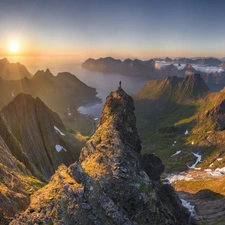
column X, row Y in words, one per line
column 118, row 28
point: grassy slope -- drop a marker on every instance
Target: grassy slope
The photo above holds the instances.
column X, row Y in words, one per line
column 161, row 122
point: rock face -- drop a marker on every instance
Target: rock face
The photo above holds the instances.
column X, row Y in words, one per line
column 112, row 183
column 13, row 71
column 40, row 131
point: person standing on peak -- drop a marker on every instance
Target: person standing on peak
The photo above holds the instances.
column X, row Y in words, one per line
column 120, row 84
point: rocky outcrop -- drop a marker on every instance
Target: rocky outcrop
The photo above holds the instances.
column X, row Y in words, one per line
column 112, row 183
column 13, row 71
column 41, row 133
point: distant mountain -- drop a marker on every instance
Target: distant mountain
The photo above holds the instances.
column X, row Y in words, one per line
column 58, row 92
column 168, row 70
column 152, row 70
column 187, row 70
column 222, row 64
column 200, row 61
column 112, row 183
column 136, row 68
column 174, row 88
column 13, row 71
column 167, row 59
column 40, row 131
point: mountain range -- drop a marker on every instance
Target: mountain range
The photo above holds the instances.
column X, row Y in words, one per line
column 58, row 92
column 151, row 70
column 210, row 61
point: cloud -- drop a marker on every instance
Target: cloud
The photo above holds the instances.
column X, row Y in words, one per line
column 202, row 69
column 209, row 69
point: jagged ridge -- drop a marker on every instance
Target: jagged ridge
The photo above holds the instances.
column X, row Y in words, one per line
column 35, row 127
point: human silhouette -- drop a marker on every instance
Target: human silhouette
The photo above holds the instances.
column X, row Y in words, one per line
column 120, row 83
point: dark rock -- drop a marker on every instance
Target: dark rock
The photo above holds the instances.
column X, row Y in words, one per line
column 153, row 166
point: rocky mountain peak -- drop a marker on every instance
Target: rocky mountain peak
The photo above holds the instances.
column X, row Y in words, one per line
column 42, row 73
column 188, row 66
column 4, row 61
column 113, row 184
column 13, row 71
column 115, row 140
column 175, row 89
column 40, row 131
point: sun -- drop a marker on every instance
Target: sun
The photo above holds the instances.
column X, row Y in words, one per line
column 14, row 46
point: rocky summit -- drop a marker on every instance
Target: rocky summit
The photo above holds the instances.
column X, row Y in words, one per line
column 112, row 183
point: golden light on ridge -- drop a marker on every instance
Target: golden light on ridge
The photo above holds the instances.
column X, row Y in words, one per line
column 14, row 46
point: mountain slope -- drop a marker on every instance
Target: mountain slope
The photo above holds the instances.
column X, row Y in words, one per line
column 166, row 109
column 16, row 180
column 39, row 130
column 174, row 89
column 13, row 71
column 112, row 183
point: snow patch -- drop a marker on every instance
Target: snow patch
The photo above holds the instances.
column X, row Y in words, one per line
column 219, row 159
column 211, row 165
column 13, row 94
column 69, row 114
column 189, row 207
column 166, row 182
column 177, row 152
column 95, row 119
column 217, row 172
column 197, row 168
column 57, row 130
column 192, row 143
column 58, row 148
column 186, row 132
column 199, row 157
column 173, row 178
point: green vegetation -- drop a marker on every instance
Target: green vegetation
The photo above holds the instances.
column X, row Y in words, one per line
column 144, row 188
column 169, row 107
column 216, row 222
